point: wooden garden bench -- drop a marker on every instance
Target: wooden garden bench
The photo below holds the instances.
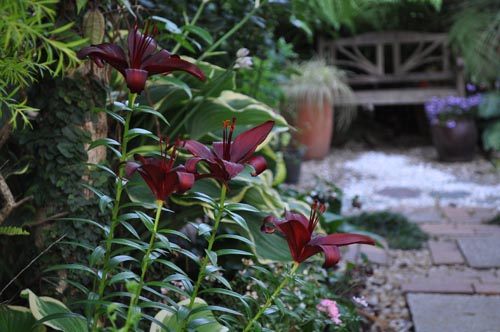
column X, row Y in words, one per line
column 396, row 67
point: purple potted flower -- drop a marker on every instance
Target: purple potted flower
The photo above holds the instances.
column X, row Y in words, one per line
column 452, row 123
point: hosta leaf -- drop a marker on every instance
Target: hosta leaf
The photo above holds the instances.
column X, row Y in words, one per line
column 229, row 104
column 17, row 319
column 203, row 320
column 43, row 307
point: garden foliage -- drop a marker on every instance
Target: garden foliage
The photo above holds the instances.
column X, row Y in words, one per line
column 154, row 230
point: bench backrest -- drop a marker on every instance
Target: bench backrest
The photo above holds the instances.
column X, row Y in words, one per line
column 391, row 57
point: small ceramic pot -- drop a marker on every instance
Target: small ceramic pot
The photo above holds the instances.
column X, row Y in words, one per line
column 456, row 141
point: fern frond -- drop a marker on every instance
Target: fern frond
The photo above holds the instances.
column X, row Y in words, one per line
column 12, row 231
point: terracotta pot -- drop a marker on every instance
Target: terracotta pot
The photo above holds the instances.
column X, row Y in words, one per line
column 455, row 143
column 315, row 129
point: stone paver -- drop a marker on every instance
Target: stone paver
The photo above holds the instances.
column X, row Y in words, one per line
column 461, row 292
column 460, row 215
column 481, row 252
column 469, row 275
column 487, row 288
column 449, row 194
column 441, row 285
column 454, row 313
column 399, row 192
column 375, row 255
column 445, row 252
column 421, row 215
column 457, row 230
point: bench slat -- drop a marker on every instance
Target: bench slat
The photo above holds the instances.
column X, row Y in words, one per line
column 406, row 96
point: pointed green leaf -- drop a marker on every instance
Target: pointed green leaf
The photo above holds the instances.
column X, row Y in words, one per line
column 200, row 32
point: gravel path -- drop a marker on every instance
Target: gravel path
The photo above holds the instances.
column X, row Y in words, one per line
column 405, row 177
column 408, row 178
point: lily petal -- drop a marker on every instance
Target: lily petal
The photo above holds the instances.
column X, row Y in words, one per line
column 232, row 169
column 297, row 216
column 107, row 52
column 185, row 181
column 198, row 149
column 296, row 235
column 332, row 255
column 247, row 142
column 131, row 167
column 258, row 163
column 266, row 228
column 161, row 63
column 340, row 239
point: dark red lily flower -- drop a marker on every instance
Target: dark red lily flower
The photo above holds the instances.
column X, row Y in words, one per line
column 298, row 231
column 228, row 158
column 142, row 60
column 162, row 178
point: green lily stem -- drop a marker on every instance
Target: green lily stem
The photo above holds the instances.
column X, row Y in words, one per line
column 230, row 32
column 212, row 47
column 145, row 264
column 211, row 242
column 116, row 210
column 193, row 22
column 272, row 297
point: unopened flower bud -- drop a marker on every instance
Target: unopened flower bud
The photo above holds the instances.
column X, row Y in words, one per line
column 242, row 52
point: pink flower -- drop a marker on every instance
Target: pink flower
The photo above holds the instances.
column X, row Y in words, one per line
column 331, row 308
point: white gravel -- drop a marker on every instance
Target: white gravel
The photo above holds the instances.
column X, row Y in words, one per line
column 365, row 173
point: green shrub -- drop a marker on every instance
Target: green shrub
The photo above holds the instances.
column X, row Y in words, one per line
column 399, row 232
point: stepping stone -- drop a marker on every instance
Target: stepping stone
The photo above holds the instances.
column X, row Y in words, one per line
column 458, row 230
column 445, row 252
column 428, row 214
column 487, row 288
column 355, row 253
column 454, row 313
column 481, row 252
column 449, row 194
column 399, row 192
column 444, row 285
column 464, row 215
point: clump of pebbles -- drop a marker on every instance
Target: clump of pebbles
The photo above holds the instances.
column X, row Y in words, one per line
column 383, row 293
